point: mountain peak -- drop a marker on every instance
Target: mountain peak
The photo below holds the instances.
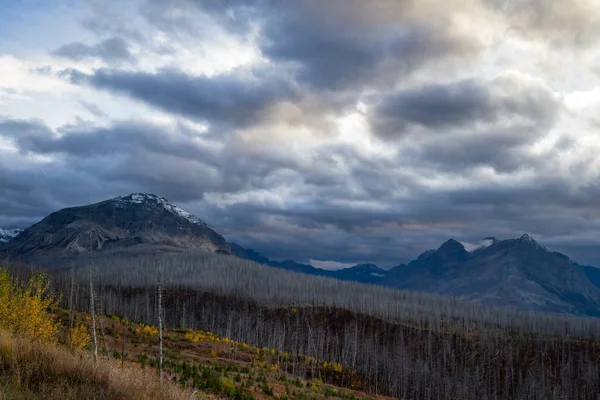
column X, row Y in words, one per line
column 479, row 245
column 527, row 238
column 145, row 198
column 452, row 250
column 451, row 244
column 135, row 222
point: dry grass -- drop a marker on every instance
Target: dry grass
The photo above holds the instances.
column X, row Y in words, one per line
column 30, row 371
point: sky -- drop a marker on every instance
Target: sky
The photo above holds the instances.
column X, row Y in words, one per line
column 335, row 132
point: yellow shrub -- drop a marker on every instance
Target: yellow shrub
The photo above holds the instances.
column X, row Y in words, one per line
column 24, row 308
column 150, row 330
column 79, row 337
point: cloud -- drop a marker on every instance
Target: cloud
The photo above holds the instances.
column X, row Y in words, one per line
column 229, row 99
column 329, row 265
column 93, row 109
column 347, row 130
column 340, row 44
column 560, row 24
column 112, row 50
column 467, row 103
column 346, row 207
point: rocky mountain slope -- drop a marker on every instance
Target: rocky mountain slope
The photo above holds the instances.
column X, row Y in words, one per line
column 137, row 222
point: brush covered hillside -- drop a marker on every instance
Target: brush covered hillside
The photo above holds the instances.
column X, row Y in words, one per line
column 138, row 222
column 46, row 353
column 386, row 342
column 326, row 329
column 42, row 358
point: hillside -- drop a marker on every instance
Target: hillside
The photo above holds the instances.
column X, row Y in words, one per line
column 388, row 342
column 33, row 371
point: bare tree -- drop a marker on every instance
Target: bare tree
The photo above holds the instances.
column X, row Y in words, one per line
column 92, row 312
column 160, row 323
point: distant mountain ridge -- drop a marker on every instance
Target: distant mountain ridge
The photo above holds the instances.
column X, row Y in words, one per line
column 363, row 273
column 518, row 273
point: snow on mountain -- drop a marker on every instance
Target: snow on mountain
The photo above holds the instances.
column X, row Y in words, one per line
column 141, row 198
column 7, row 234
column 529, row 240
column 480, row 244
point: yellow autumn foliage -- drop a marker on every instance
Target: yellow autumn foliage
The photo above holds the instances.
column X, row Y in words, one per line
column 79, row 336
column 24, row 308
column 150, row 331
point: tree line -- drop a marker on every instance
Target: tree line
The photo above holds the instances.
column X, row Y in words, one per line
column 404, row 344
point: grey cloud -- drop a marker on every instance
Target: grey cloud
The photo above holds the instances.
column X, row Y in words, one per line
column 373, row 209
column 225, row 99
column 142, row 154
column 112, row 50
column 443, row 107
column 334, row 44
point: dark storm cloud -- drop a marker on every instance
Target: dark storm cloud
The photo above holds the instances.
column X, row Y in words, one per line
column 112, row 50
column 331, row 55
column 318, row 59
column 225, row 99
column 334, row 44
column 442, row 107
column 136, row 154
column 344, row 206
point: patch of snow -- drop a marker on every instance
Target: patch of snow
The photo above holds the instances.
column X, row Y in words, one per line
column 481, row 244
column 140, row 198
column 376, row 274
column 7, row 234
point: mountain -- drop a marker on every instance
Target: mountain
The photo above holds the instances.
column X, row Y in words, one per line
column 8, row 234
column 363, row 273
column 136, row 222
column 518, row 273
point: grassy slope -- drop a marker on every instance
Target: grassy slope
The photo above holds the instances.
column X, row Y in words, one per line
column 31, row 371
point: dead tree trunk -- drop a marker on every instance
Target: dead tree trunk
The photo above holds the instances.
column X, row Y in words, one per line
column 93, row 314
column 160, row 328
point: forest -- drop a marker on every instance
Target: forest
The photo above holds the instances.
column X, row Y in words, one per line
column 395, row 343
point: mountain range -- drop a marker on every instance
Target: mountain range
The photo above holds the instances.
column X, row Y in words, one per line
column 518, row 273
